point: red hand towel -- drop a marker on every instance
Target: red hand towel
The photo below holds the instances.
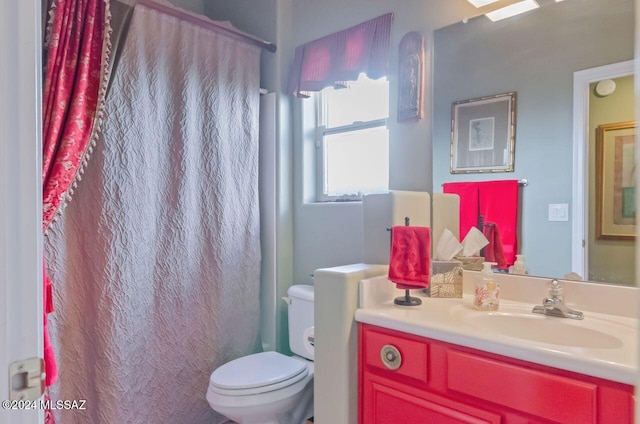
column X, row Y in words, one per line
column 494, row 251
column 468, row 193
column 499, row 204
column 410, row 260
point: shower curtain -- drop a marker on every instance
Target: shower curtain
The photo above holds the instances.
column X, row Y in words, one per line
column 157, row 259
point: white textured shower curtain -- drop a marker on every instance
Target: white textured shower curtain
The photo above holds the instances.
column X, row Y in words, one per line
column 156, row 261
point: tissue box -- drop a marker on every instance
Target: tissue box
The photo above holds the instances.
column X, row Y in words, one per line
column 446, row 279
column 471, row 263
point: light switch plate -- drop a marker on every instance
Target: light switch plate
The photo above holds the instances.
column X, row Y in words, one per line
column 558, row 212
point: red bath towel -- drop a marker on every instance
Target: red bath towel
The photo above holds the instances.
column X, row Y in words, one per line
column 410, row 260
column 495, row 201
column 469, row 204
column 499, row 204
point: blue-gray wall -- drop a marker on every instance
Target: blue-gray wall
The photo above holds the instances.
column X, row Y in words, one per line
column 535, row 55
column 327, row 235
column 310, row 235
column 196, row 6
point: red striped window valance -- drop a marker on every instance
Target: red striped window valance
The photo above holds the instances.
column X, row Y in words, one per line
column 341, row 57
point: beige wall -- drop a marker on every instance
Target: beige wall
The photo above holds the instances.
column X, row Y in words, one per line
column 609, row 260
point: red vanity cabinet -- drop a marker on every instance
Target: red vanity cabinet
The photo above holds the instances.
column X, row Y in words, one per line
column 410, row 379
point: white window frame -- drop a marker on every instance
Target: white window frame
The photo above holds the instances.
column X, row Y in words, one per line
column 321, row 132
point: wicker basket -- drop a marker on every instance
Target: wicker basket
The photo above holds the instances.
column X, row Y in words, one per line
column 446, row 279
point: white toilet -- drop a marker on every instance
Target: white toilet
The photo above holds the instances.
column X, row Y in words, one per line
column 269, row 387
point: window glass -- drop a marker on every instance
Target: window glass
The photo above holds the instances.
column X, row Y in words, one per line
column 356, row 162
column 362, row 100
column 353, row 141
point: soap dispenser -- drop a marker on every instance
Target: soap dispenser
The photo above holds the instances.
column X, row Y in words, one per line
column 487, row 290
column 518, row 267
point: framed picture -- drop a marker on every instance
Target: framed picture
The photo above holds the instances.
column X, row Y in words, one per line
column 615, row 181
column 483, row 134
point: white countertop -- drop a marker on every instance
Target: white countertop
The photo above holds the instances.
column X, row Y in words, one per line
column 601, row 345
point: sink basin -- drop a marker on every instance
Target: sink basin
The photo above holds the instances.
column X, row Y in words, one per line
column 544, row 329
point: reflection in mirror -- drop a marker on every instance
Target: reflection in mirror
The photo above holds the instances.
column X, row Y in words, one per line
column 534, row 55
column 610, row 243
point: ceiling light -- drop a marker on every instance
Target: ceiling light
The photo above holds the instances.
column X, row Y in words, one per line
column 512, row 10
column 481, row 3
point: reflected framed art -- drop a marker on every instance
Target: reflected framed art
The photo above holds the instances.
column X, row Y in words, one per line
column 483, row 132
column 615, row 181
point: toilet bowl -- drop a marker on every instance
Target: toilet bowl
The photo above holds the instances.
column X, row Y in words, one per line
column 263, row 388
column 269, row 387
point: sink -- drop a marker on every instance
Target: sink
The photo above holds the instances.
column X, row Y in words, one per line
column 590, row 333
column 603, row 345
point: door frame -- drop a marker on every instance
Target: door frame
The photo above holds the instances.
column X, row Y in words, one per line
column 580, row 210
column 20, row 194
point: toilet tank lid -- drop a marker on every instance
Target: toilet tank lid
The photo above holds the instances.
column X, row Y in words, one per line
column 301, row 291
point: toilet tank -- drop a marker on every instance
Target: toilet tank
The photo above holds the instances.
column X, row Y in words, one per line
column 301, row 335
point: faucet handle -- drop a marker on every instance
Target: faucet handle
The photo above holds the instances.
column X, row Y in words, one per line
column 548, row 303
column 555, row 288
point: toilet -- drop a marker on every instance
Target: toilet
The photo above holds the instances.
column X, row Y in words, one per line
column 269, row 387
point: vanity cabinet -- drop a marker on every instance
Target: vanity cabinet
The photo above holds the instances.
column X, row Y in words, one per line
column 409, row 379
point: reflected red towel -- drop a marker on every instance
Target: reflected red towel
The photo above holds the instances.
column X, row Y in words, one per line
column 494, row 251
column 410, row 260
column 499, row 204
column 469, row 201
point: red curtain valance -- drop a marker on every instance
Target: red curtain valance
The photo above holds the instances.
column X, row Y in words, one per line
column 341, row 57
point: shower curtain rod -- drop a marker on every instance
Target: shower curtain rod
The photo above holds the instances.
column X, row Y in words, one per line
column 208, row 24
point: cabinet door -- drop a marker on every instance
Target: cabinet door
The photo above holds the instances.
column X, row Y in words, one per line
column 387, row 402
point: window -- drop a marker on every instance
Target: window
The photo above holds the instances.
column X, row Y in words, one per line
column 353, row 140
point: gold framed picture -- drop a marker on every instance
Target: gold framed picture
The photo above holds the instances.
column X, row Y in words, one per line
column 615, row 181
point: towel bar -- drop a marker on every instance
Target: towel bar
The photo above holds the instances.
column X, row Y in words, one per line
column 522, row 183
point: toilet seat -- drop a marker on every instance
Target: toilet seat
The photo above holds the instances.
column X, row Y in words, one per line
column 258, row 373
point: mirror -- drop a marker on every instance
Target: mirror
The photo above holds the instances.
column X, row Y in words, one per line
column 535, row 55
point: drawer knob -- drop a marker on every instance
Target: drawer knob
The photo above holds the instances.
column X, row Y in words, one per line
column 391, row 357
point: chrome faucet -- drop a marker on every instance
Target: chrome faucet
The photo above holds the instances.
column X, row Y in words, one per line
column 554, row 304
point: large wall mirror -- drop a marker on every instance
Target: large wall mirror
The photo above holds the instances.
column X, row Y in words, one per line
column 537, row 55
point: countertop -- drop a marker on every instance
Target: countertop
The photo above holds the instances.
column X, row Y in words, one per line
column 602, row 345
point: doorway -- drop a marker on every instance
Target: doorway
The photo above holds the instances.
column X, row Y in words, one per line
column 582, row 88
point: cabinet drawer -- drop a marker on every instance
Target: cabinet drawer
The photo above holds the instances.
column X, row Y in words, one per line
column 413, row 354
column 391, row 403
column 560, row 399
